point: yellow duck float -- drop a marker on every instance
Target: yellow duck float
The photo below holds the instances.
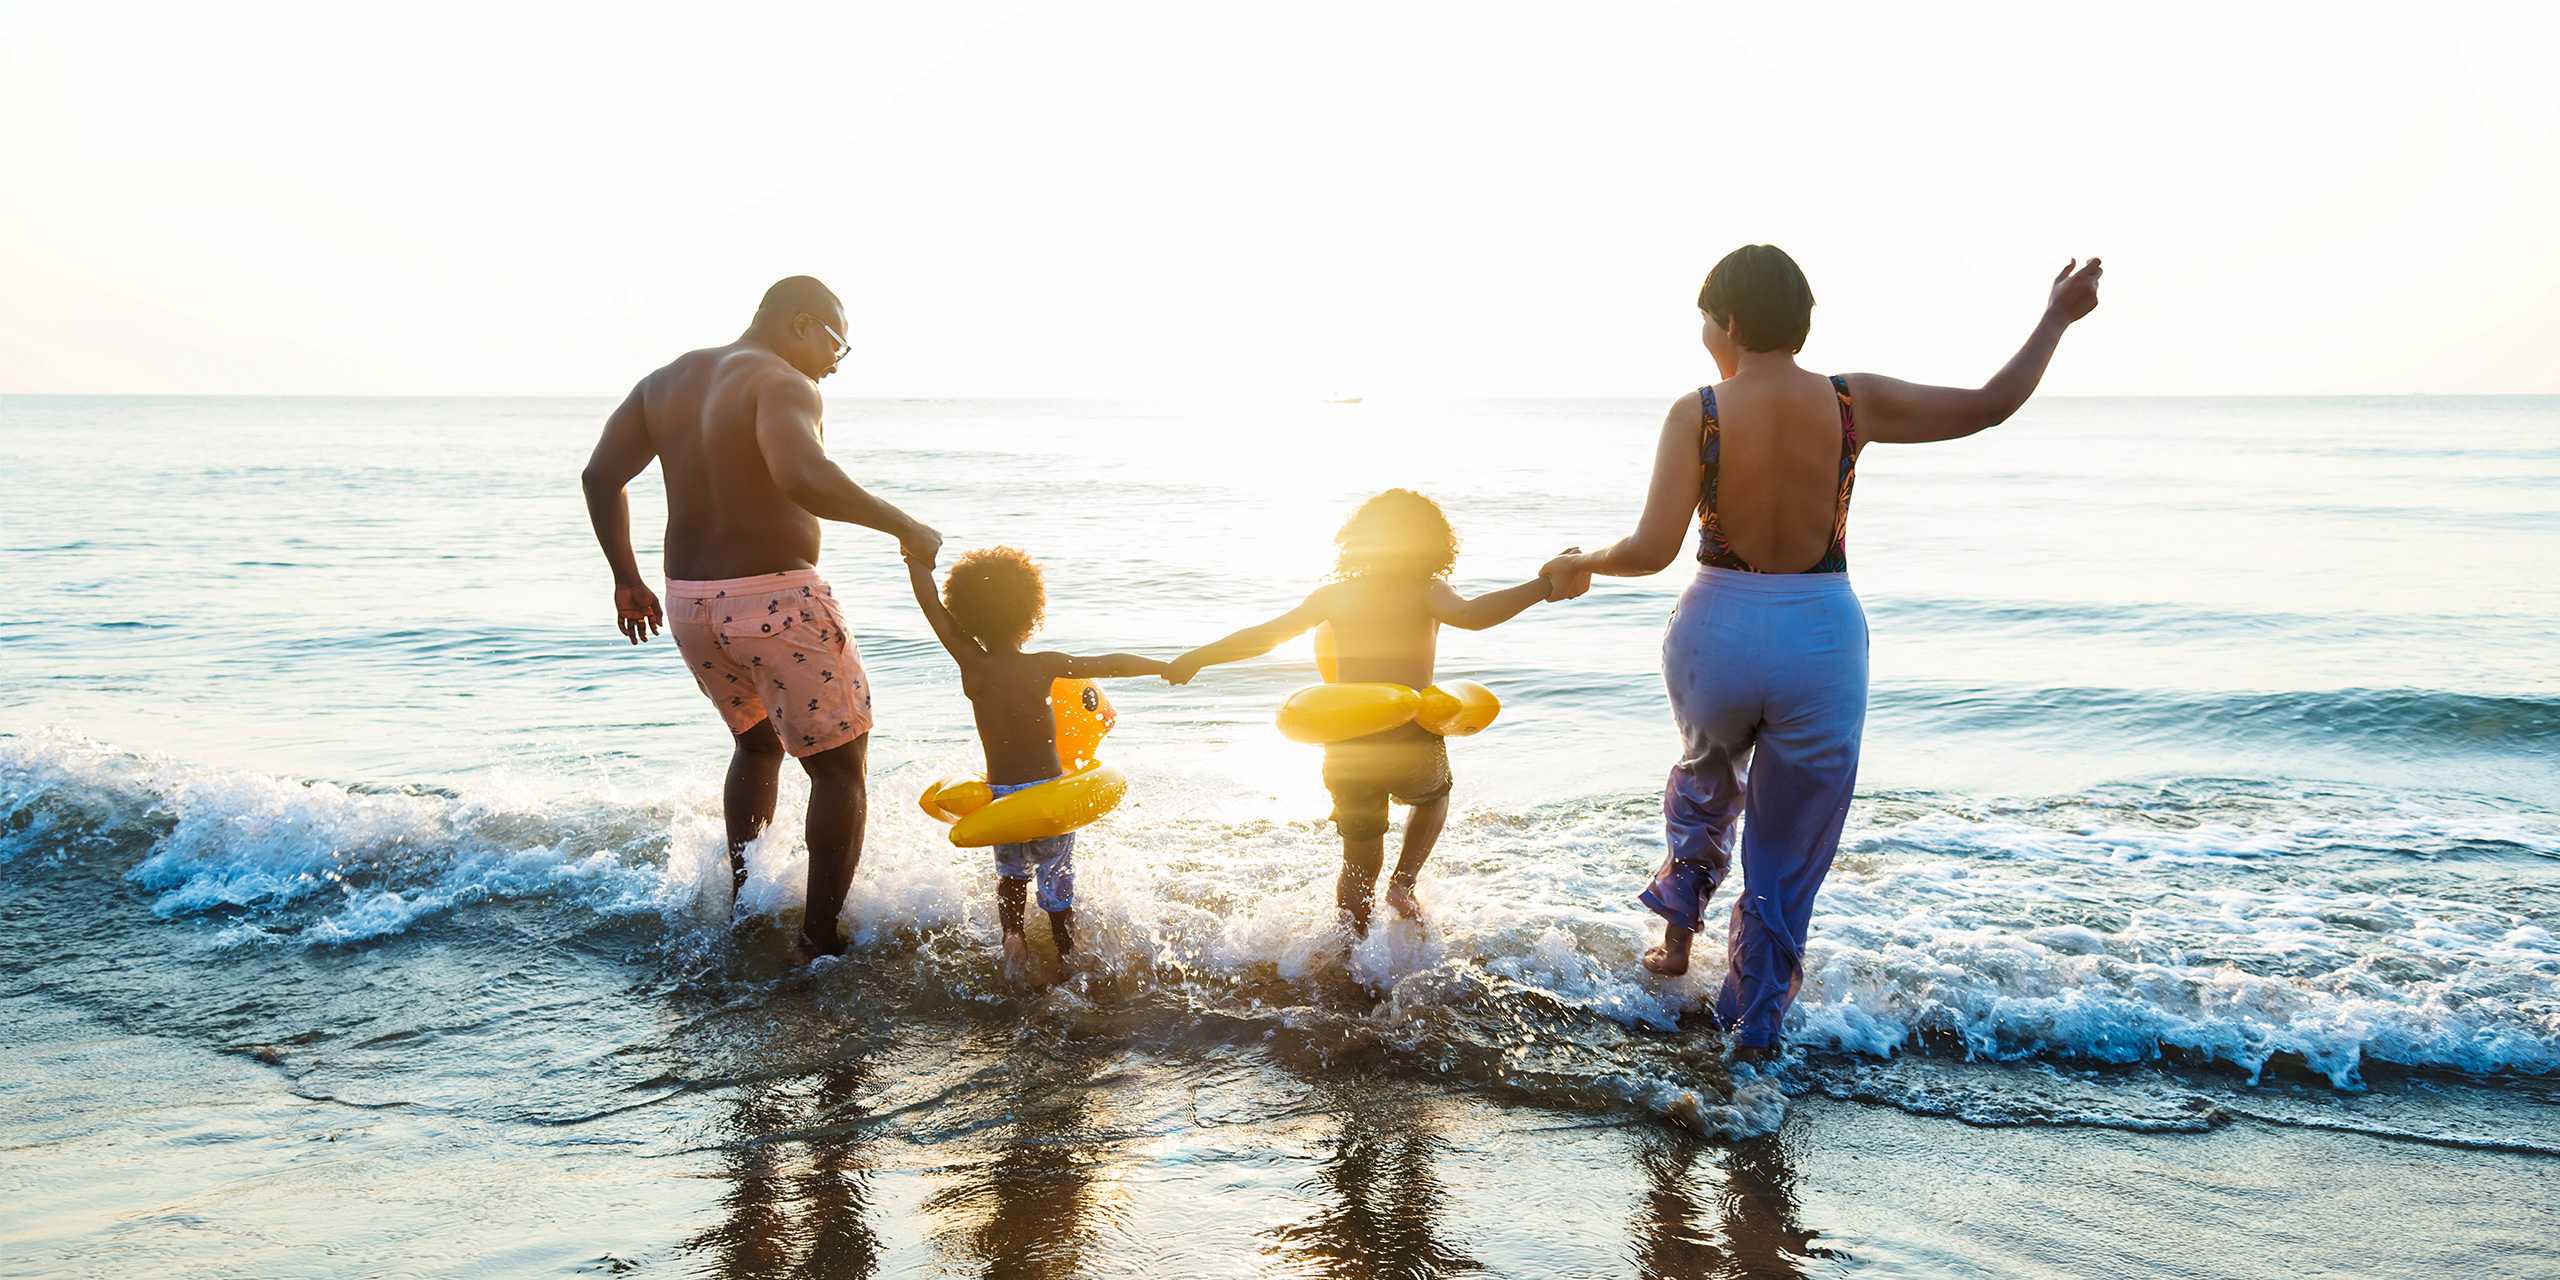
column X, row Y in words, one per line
column 1088, row 790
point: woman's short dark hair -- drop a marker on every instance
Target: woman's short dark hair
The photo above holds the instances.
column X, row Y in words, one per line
column 1763, row 296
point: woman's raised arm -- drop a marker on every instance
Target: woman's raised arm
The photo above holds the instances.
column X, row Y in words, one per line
column 1897, row 412
column 1669, row 502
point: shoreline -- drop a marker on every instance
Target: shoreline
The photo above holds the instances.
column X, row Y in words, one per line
column 1084, row 1157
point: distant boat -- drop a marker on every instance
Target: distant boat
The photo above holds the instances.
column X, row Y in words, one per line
column 1350, row 400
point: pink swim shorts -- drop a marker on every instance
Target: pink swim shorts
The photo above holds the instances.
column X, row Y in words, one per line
column 773, row 645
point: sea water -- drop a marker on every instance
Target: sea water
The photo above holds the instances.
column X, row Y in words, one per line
column 2210, row 774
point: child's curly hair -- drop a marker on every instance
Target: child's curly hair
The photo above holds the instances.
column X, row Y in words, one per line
column 1397, row 534
column 996, row 596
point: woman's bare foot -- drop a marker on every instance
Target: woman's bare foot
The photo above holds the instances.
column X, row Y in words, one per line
column 1017, row 958
column 1756, row 1054
column 1671, row 959
column 1401, row 900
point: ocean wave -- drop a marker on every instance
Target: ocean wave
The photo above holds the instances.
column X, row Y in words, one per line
column 2202, row 921
column 2409, row 719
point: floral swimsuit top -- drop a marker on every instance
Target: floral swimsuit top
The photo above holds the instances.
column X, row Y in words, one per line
column 1714, row 550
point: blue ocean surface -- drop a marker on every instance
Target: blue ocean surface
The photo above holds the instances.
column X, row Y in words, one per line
column 2212, row 779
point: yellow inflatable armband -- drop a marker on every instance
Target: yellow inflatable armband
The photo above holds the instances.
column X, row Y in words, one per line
column 1333, row 712
column 1046, row 809
column 955, row 797
column 1083, row 716
column 1456, row 708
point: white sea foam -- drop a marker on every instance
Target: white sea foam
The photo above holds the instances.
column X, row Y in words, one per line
column 2091, row 931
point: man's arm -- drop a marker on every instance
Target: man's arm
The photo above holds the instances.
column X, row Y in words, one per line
column 1108, row 666
column 1491, row 609
column 795, row 452
column 962, row 649
column 1254, row 641
column 622, row 452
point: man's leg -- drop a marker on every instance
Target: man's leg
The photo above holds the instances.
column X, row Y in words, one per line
column 1421, row 832
column 747, row 800
column 838, row 803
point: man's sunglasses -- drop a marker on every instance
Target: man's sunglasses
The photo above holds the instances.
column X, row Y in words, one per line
column 843, row 348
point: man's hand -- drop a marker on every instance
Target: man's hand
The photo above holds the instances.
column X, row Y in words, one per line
column 1180, row 670
column 1565, row 577
column 2075, row 293
column 636, row 611
column 921, row 541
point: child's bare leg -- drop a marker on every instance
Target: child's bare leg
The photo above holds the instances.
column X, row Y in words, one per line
column 1361, row 858
column 1671, row 959
column 1421, row 832
column 1009, row 905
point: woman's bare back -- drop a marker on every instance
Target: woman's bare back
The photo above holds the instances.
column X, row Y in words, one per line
column 1779, row 493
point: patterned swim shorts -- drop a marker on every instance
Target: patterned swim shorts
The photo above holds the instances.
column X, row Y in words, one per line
column 773, row 645
column 1052, row 860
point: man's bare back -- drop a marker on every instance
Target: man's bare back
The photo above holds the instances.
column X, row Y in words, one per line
column 739, row 436
column 727, row 517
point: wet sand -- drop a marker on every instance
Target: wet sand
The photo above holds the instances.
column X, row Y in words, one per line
column 136, row 1155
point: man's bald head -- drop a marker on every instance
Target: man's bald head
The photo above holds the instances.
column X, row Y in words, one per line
column 796, row 295
column 801, row 321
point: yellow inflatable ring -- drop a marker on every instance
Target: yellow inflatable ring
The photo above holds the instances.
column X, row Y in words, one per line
column 1039, row 811
column 1456, row 708
column 1452, row 709
column 956, row 796
column 1333, row 712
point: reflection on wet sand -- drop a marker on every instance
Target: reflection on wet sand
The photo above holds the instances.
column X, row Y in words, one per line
column 1020, row 1155
column 1384, row 1199
column 1029, row 1204
column 1754, row 1231
column 796, row 1201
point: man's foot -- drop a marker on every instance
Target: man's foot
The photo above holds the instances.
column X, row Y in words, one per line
column 811, row 950
column 1755, row 1054
column 1671, row 959
column 1017, row 958
column 1401, row 900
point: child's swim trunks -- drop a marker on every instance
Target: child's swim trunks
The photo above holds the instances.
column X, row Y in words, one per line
column 1053, row 860
column 773, row 645
column 1362, row 774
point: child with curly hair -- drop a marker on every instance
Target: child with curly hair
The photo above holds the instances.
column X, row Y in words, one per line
column 989, row 606
column 1388, row 596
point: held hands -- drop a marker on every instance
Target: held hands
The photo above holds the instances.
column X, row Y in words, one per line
column 922, row 541
column 1566, row 578
column 1180, row 670
column 636, row 612
column 2075, row 293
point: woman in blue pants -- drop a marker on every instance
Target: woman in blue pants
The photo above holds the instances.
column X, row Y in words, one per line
column 1766, row 654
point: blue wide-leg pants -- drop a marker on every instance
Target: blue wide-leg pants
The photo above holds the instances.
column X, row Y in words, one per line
column 1768, row 681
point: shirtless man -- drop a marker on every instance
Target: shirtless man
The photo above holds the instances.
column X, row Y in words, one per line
column 737, row 430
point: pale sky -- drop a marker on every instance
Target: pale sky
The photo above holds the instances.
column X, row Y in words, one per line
column 1179, row 198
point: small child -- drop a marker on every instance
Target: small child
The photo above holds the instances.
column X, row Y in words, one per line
column 1387, row 599
column 989, row 606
